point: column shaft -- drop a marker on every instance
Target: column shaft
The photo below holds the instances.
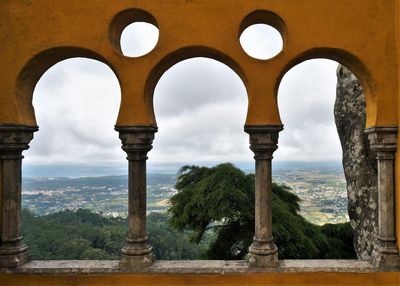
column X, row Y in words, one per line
column 137, row 200
column 386, row 206
column 263, row 203
column 11, row 197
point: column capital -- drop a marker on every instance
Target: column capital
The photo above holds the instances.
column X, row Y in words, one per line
column 263, row 139
column 256, row 129
column 136, row 140
column 16, row 137
column 382, row 138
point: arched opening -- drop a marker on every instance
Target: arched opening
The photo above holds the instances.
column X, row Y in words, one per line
column 76, row 104
column 323, row 109
column 200, row 105
column 306, row 98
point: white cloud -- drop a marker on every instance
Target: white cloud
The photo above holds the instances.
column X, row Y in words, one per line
column 201, row 106
column 138, row 39
column 261, row 41
column 306, row 100
column 76, row 104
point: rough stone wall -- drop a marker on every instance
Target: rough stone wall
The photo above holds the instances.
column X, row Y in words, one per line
column 358, row 162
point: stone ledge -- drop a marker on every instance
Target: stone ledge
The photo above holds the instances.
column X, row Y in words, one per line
column 56, row 267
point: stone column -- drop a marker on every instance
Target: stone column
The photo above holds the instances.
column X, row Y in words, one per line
column 383, row 141
column 13, row 140
column 263, row 142
column 136, row 142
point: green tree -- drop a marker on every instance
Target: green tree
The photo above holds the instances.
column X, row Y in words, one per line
column 82, row 234
column 221, row 199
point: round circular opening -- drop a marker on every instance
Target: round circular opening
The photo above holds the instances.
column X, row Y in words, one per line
column 261, row 41
column 139, row 39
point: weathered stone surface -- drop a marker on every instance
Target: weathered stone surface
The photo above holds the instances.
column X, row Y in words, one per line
column 49, row 267
column 383, row 142
column 14, row 139
column 359, row 162
column 263, row 142
column 137, row 141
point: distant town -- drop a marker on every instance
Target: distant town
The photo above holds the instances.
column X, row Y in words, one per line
column 322, row 191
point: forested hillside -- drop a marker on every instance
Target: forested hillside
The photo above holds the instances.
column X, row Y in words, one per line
column 211, row 217
column 82, row 234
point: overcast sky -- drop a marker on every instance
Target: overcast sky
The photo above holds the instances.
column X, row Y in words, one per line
column 200, row 106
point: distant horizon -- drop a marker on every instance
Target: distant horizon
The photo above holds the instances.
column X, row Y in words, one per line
column 29, row 170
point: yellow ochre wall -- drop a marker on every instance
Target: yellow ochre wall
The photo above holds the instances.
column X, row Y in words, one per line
column 397, row 175
column 364, row 35
column 271, row 279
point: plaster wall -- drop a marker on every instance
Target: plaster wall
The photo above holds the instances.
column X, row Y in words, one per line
column 397, row 175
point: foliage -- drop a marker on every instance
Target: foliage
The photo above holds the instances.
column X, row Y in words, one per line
column 221, row 199
column 338, row 235
column 169, row 243
column 82, row 234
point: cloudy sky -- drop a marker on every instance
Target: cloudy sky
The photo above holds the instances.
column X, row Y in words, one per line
column 200, row 106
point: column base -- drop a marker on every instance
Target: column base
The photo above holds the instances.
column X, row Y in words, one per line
column 13, row 258
column 136, row 256
column 387, row 258
column 263, row 255
column 136, row 262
